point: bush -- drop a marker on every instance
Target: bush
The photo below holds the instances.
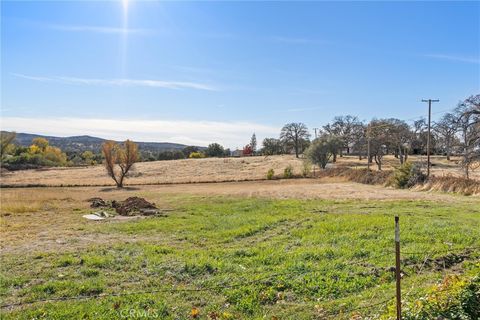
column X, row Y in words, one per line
column 270, row 174
column 288, row 172
column 196, row 155
column 306, row 168
column 454, row 298
column 407, row 176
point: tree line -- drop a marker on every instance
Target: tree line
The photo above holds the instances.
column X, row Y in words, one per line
column 456, row 132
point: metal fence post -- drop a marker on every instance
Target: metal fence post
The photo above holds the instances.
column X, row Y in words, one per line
column 397, row 268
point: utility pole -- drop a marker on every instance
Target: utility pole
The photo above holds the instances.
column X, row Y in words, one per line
column 315, row 132
column 428, row 137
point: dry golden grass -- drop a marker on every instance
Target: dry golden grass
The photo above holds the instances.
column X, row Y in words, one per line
column 159, row 172
column 202, row 170
column 451, row 184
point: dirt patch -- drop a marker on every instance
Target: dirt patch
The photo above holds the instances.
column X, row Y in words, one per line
column 443, row 262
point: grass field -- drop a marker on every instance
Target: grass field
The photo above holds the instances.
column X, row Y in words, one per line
column 228, row 256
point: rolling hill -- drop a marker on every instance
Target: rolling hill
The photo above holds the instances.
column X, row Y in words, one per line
column 84, row 143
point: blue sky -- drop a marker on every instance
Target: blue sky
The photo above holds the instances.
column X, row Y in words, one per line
column 199, row 72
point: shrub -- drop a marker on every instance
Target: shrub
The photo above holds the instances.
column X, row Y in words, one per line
column 288, row 172
column 454, row 298
column 306, row 168
column 196, row 155
column 407, row 176
column 270, row 174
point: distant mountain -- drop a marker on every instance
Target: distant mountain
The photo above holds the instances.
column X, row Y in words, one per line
column 84, row 143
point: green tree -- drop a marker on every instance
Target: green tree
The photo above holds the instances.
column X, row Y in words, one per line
column 215, row 150
column 322, row 149
column 253, row 142
column 88, row 156
column 272, row 146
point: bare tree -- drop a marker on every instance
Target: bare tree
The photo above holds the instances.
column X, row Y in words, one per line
column 119, row 159
column 400, row 137
column 296, row 135
column 446, row 128
column 380, row 139
column 346, row 128
column 468, row 113
column 419, row 138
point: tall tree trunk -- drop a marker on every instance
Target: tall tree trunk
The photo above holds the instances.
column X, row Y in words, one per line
column 378, row 161
column 120, row 181
column 448, row 149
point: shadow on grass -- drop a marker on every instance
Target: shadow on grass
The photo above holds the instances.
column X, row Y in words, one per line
column 110, row 189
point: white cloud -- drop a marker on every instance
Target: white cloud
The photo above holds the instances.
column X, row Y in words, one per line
column 229, row 134
column 120, row 82
column 453, row 58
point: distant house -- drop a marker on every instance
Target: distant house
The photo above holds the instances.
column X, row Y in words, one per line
column 237, row 153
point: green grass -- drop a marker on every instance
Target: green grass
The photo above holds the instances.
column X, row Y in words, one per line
column 249, row 258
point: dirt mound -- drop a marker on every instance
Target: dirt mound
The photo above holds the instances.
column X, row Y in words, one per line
column 130, row 207
column 133, row 206
column 97, row 203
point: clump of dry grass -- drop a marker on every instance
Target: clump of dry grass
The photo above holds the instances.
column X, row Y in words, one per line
column 357, row 175
column 451, row 184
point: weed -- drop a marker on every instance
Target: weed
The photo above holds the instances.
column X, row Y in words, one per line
column 288, row 172
column 270, row 174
